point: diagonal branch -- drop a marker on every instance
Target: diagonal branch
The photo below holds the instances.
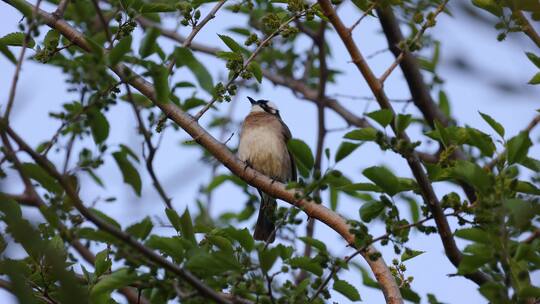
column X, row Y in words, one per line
column 430, row 199
column 227, row 158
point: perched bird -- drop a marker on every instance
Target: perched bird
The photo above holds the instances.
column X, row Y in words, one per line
column 263, row 146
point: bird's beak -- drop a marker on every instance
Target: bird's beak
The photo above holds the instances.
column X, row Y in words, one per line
column 253, row 101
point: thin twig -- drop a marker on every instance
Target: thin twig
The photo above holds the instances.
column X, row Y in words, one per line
column 103, row 22
column 15, row 80
column 196, row 29
column 427, row 24
column 364, row 15
column 61, row 9
column 151, row 151
column 250, row 58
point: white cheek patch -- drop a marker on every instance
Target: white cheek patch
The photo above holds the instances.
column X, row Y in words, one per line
column 256, row 108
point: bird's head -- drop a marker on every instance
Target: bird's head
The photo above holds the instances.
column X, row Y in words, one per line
column 263, row 105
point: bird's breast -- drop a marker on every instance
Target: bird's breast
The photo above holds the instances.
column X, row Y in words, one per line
column 266, row 151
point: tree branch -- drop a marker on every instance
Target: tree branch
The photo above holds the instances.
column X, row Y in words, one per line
column 227, row 158
column 196, row 29
column 428, row 194
column 411, row 70
column 43, row 162
column 31, row 198
column 149, row 160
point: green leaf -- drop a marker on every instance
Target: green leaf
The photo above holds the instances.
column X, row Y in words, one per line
column 402, row 122
column 231, row 44
column 243, row 236
column 256, row 70
column 471, row 263
column 531, row 163
column 518, row 147
column 102, row 262
column 174, row 219
column 171, row 246
column 302, row 155
column 204, row 263
column 9, row 55
column 16, row 39
column 37, row 173
column 98, row 125
column 383, row 178
column 25, row 9
column 120, row 49
column 314, row 243
column 138, row 99
column 480, row 140
column 157, row 7
column 160, row 75
column 520, row 211
column 101, row 291
column 367, row 134
column 383, row 116
column 535, row 79
column 52, row 38
column 267, row 258
column 361, row 187
column 371, row 210
column 444, row 105
column 493, row 123
column 186, row 227
column 345, row 148
column 472, row 174
column 307, row 264
column 489, row 6
column 347, row 290
column 129, row 173
column 142, row 229
column 473, row 234
column 148, row 43
column 409, row 254
column 534, row 59
column 106, row 218
column 184, row 56
column 526, row 187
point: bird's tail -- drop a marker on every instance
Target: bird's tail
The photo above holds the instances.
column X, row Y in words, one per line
column 264, row 229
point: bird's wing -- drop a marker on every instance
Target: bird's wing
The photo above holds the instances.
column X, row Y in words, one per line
column 287, row 135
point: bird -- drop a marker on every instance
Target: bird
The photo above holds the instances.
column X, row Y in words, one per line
column 263, row 147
